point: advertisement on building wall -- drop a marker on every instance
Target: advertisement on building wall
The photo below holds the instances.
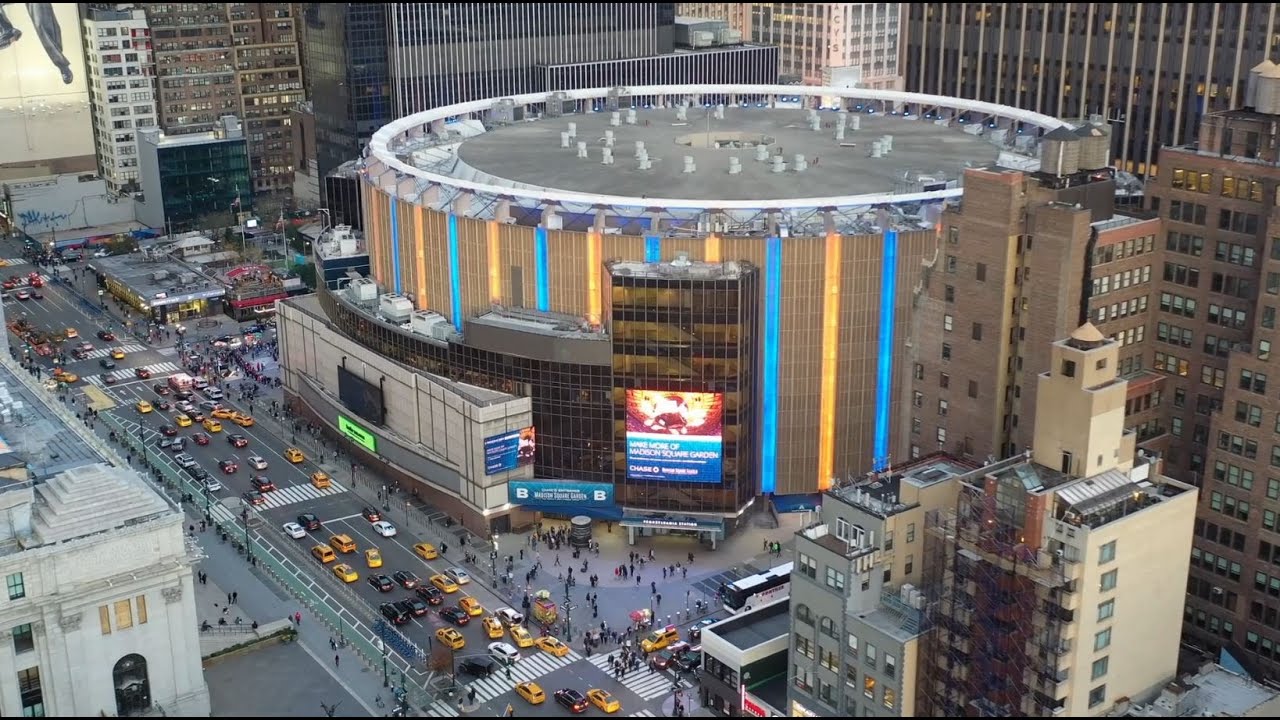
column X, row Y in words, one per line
column 559, row 493
column 357, row 434
column 674, row 436
column 509, row 450
column 44, row 99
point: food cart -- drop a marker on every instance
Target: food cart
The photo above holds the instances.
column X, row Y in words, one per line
column 643, row 618
column 544, row 609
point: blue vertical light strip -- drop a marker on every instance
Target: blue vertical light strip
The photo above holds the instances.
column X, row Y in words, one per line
column 769, row 373
column 455, row 273
column 395, row 242
column 541, row 270
column 653, row 249
column 884, row 359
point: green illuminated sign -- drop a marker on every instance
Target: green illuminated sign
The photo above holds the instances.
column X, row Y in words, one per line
column 357, row 434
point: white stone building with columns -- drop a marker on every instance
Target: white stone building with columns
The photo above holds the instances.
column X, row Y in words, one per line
column 98, row 608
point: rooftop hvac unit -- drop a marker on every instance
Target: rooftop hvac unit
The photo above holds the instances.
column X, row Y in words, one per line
column 159, row 275
column 396, row 308
column 428, row 324
column 363, row 289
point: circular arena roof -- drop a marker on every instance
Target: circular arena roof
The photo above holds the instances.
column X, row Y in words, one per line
column 469, row 157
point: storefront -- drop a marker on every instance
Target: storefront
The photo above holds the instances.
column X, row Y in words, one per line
column 564, row 499
column 707, row 529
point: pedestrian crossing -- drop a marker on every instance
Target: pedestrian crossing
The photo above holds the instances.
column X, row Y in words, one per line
column 531, row 666
column 442, row 708
column 644, row 713
column 648, row 685
column 299, row 493
column 106, row 351
column 158, row 369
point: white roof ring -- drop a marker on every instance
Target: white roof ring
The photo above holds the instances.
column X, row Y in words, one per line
column 380, row 150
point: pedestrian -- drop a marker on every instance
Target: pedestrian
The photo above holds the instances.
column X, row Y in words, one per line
column 235, row 597
column 337, row 660
column 228, row 598
column 297, row 618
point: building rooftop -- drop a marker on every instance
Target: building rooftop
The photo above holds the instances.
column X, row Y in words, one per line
column 36, row 434
column 92, row 499
column 228, row 129
column 529, row 154
column 881, row 493
column 756, row 627
column 1212, row 692
column 340, row 241
column 541, row 323
column 680, row 268
column 157, row 278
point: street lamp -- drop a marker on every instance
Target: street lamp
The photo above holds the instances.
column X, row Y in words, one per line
column 382, row 645
column 248, row 549
column 142, row 441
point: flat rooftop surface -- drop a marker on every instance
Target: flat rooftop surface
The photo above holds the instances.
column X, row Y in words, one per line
column 750, row 629
column 530, row 153
column 39, row 436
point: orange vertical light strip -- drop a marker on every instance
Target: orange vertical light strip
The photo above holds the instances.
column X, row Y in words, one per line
column 493, row 243
column 711, row 250
column 419, row 251
column 594, row 301
column 830, row 362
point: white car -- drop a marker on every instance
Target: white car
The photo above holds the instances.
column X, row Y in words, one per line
column 509, row 616
column 294, row 530
column 185, row 406
column 185, row 460
column 384, row 528
column 503, row 653
column 211, row 484
column 257, row 463
column 458, row 575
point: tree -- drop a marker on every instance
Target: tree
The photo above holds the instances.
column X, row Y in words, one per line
column 441, row 659
column 308, row 274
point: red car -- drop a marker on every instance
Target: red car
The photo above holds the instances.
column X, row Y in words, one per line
column 36, row 281
column 228, row 466
column 106, row 335
column 371, row 515
column 253, row 498
column 142, row 373
column 9, row 284
column 200, row 438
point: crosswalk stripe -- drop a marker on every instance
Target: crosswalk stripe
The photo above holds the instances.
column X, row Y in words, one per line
column 440, row 708
column 647, row 685
column 298, row 493
column 129, row 373
column 643, row 713
column 530, row 667
column 104, row 352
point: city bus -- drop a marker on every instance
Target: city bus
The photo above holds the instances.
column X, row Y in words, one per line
column 756, row 590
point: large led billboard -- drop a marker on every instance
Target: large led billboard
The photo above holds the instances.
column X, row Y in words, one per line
column 361, row 396
column 674, row 436
column 44, row 98
column 509, row 450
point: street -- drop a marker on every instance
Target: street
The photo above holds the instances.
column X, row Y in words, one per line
column 339, row 510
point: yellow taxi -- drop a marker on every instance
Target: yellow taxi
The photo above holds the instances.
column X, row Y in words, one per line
column 346, row 573
column 660, row 638
column 531, row 693
column 143, row 407
column 444, row 584
column 373, row 557
column 242, row 420
column 521, row 637
column 451, row 638
column 324, row 554
column 426, row 551
column 212, row 425
column 551, row 645
column 222, row 413
column 493, row 628
column 471, row 606
column 73, row 333
column 117, row 354
column 293, row 455
column 321, row 481
column 603, row 700
column 183, row 420
column 66, row 377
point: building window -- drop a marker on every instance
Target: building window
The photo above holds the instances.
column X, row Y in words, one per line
column 803, row 678
column 851, row 676
column 828, row 659
column 973, row 388
column 890, row 666
column 124, row 615
column 803, row 614
column 977, row 331
column 1106, row 610
column 1097, row 696
column 1107, row 553
column 890, row 698
column 948, row 322
column 946, row 351
column 808, row 566
column 17, row 586
column 835, row 579
column 980, row 272
column 869, row 687
column 1108, row 580
column 104, row 619
column 1100, row 667
column 869, row 655
column 942, row 407
column 32, row 694
column 24, row 639
column 828, row 627
column 804, row 646
column 1101, row 641
column 853, row 643
column 141, row 603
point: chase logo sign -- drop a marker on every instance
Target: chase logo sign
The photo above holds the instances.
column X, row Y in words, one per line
column 550, row 493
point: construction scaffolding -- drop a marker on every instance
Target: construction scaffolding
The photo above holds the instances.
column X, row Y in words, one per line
column 1000, row 608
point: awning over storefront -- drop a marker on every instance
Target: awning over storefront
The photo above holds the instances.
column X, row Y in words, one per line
column 803, row 502
column 595, row 512
column 258, row 301
column 661, row 521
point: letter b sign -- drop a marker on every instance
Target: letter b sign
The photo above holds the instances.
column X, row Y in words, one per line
column 599, row 495
column 522, row 493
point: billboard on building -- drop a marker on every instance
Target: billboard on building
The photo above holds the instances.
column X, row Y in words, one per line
column 509, row 450
column 44, row 97
column 674, row 436
column 559, row 494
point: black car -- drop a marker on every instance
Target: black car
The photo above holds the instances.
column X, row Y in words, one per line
column 264, row 484
column 371, row 515
column 168, row 430
column 413, row 606
column 382, row 583
column 691, row 660
column 455, row 615
column 183, row 394
column 107, row 364
column 394, row 614
column 309, row 521
column 161, row 389
column 478, row 666
column 430, row 593
column 104, row 335
column 407, row 580
column 572, row 699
